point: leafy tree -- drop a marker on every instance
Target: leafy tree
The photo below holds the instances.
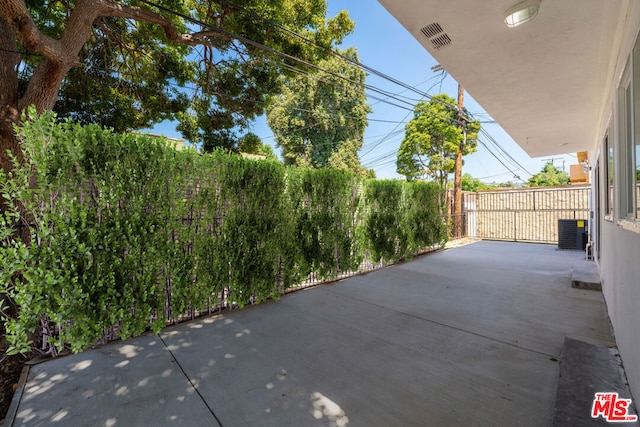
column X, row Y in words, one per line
column 432, row 138
column 549, row 176
column 346, row 158
column 252, row 144
column 132, row 63
column 268, row 152
column 469, row 183
column 320, row 118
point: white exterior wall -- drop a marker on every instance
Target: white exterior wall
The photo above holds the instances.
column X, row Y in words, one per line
column 618, row 252
column 620, row 270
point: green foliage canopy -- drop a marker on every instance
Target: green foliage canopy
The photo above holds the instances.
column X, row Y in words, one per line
column 319, row 115
column 143, row 62
column 432, row 139
column 549, row 176
column 252, row 144
column 469, row 183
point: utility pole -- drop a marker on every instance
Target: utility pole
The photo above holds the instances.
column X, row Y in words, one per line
column 457, row 176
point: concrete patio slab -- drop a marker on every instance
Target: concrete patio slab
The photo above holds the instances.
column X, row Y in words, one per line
column 131, row 383
column 467, row 336
column 585, row 275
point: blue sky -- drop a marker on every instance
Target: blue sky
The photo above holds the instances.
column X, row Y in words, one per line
column 385, row 45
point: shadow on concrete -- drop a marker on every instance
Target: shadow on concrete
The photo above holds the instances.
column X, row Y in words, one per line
column 467, row 336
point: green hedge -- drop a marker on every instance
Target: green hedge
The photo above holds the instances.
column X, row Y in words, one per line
column 324, row 207
column 128, row 233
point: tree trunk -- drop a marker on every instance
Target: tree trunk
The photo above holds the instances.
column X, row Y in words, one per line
column 9, row 115
column 9, row 144
column 9, row 96
column 44, row 84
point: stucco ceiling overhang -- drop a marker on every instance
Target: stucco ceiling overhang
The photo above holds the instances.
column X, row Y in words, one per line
column 544, row 82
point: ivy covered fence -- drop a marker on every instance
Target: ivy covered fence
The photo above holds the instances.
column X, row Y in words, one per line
column 126, row 233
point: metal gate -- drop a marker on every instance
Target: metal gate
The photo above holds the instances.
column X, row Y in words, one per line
column 524, row 214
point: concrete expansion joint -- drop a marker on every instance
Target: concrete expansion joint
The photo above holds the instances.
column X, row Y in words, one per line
column 457, row 328
column 195, row 388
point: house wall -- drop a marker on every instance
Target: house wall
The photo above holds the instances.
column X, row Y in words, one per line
column 618, row 248
column 620, row 270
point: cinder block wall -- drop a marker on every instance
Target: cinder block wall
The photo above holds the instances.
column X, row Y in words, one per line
column 525, row 214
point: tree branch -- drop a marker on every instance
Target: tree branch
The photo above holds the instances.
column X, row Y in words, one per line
column 17, row 16
column 61, row 55
column 109, row 8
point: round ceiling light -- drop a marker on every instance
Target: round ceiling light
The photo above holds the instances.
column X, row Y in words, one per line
column 521, row 13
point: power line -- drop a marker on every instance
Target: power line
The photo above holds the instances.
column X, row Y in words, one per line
column 515, row 175
column 284, row 55
column 305, row 39
column 505, row 153
column 396, row 97
column 405, row 117
column 21, row 52
column 312, row 42
column 495, row 175
column 303, row 62
column 195, row 89
column 387, row 158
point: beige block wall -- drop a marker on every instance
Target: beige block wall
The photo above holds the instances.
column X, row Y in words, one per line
column 525, row 214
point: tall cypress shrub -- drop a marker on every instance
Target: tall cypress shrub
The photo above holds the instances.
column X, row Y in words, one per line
column 128, row 233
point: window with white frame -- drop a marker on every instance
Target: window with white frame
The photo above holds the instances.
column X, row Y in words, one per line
column 626, row 201
column 629, row 138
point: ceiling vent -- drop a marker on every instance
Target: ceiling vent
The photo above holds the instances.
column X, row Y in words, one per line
column 432, row 30
column 441, row 41
column 436, row 35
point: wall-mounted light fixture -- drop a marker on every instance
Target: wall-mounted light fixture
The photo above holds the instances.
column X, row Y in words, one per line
column 521, row 13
